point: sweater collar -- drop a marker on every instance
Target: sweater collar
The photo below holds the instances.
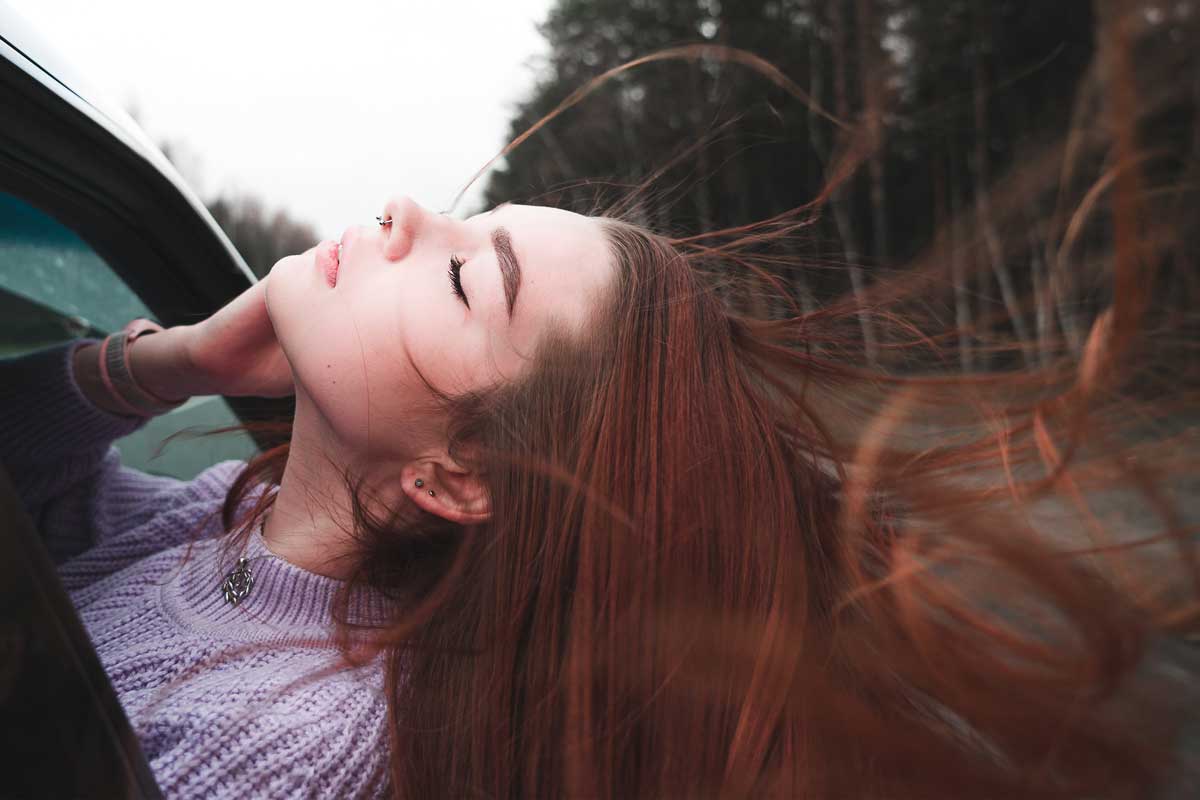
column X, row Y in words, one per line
column 286, row 603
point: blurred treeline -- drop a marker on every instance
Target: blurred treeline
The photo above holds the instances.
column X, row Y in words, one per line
column 261, row 235
column 989, row 125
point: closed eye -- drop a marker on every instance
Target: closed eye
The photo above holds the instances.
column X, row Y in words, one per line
column 456, row 280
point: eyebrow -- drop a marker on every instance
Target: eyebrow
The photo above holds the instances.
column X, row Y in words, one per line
column 510, row 268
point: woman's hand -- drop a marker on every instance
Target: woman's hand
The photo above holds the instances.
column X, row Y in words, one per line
column 235, row 352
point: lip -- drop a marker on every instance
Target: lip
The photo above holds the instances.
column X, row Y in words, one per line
column 327, row 261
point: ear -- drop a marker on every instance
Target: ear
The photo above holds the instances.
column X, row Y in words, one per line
column 440, row 486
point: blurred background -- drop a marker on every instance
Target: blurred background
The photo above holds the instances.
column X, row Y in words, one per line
column 986, row 135
column 292, row 123
column 988, row 156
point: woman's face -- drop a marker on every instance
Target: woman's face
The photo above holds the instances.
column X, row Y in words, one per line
column 355, row 347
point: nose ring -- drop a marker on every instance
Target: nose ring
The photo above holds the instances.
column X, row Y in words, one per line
column 383, row 221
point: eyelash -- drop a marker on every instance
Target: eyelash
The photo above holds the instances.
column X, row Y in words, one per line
column 456, row 279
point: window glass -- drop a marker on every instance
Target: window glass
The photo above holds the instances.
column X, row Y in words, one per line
column 53, row 288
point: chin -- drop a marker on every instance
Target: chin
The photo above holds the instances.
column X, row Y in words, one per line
column 287, row 297
column 288, row 263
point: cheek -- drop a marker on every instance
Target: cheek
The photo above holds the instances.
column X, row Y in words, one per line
column 434, row 332
column 356, row 353
column 325, row 340
column 354, row 362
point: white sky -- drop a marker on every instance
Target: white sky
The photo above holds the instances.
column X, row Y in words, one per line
column 323, row 109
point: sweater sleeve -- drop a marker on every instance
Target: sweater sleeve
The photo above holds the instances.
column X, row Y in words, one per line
column 57, row 446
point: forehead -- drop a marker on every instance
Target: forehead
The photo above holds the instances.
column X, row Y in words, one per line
column 565, row 262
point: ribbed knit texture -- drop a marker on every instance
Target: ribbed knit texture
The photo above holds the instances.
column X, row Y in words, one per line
column 213, row 723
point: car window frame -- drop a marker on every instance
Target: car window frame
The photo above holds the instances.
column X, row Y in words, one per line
column 121, row 196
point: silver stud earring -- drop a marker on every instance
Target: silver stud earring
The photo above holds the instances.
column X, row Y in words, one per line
column 431, row 492
column 420, row 483
column 382, row 221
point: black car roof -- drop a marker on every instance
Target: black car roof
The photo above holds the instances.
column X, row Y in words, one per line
column 24, row 47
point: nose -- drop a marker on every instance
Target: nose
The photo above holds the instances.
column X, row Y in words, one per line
column 407, row 220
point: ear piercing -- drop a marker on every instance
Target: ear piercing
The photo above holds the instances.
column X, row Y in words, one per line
column 382, row 221
column 420, row 483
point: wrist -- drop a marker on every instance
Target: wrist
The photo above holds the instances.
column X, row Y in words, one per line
column 86, row 371
column 160, row 364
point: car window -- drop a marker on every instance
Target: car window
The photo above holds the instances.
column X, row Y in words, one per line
column 53, row 288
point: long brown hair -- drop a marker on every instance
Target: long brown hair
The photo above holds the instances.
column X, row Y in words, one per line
column 731, row 556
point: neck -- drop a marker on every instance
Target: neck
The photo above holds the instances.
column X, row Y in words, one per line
column 311, row 518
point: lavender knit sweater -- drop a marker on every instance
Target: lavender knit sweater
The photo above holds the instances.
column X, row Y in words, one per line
column 210, row 726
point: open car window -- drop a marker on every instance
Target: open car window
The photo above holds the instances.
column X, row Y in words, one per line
column 54, row 287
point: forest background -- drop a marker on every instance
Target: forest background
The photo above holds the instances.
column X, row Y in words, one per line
column 961, row 101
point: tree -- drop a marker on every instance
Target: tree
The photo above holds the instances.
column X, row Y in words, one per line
column 260, row 236
column 955, row 98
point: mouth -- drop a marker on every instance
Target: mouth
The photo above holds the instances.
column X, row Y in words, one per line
column 328, row 259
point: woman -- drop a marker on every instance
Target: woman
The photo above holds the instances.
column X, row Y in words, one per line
column 612, row 569
column 353, row 329
column 580, row 525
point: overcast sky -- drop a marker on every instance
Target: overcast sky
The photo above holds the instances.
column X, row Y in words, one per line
column 324, row 109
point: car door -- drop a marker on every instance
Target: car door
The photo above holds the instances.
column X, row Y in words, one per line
column 63, row 733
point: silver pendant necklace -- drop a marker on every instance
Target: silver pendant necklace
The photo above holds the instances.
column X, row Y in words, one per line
column 240, row 580
column 238, row 583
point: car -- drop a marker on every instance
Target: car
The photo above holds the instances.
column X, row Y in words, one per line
column 96, row 228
